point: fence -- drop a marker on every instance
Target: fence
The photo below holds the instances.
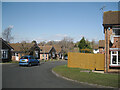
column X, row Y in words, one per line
column 86, row 61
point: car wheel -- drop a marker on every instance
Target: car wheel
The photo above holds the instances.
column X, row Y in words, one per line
column 29, row 65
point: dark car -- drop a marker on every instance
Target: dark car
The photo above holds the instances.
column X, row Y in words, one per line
column 28, row 60
column 66, row 57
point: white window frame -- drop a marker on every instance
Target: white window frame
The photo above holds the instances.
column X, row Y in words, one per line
column 6, row 51
column 36, row 53
column 111, row 64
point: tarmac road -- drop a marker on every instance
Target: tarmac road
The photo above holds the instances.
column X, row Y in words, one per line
column 15, row 76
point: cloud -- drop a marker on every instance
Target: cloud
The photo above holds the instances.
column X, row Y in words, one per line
column 61, row 35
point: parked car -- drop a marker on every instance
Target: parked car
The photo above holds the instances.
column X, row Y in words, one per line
column 28, row 60
column 66, row 57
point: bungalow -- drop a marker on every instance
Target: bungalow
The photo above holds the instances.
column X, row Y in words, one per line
column 111, row 24
column 59, row 52
column 47, row 52
column 95, row 49
column 101, row 46
column 21, row 49
column 5, row 51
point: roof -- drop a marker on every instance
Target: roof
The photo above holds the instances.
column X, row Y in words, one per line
column 95, row 47
column 57, row 48
column 20, row 46
column 45, row 48
column 3, row 41
column 76, row 49
column 111, row 17
column 101, row 43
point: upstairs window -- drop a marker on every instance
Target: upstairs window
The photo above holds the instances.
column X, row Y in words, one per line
column 116, row 30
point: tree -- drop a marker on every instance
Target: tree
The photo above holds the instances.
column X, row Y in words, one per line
column 66, row 44
column 34, row 42
column 84, row 44
column 7, row 34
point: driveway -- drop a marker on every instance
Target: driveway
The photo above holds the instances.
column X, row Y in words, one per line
column 14, row 76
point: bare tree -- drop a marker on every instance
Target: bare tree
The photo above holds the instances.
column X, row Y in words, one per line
column 6, row 34
column 66, row 44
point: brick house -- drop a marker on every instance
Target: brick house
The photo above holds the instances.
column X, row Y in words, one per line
column 5, row 51
column 111, row 24
column 21, row 49
column 47, row 52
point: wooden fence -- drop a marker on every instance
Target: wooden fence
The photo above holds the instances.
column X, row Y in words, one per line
column 86, row 61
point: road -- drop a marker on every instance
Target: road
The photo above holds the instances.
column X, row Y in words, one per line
column 14, row 76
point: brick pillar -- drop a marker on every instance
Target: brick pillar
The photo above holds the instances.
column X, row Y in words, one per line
column 105, row 30
column 107, row 42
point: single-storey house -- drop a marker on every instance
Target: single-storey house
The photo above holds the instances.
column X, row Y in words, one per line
column 21, row 49
column 96, row 49
column 5, row 52
column 47, row 52
column 102, row 46
column 111, row 24
column 59, row 52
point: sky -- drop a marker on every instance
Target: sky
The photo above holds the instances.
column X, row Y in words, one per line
column 46, row 21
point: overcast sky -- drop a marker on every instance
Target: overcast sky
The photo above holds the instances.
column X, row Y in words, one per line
column 44, row 21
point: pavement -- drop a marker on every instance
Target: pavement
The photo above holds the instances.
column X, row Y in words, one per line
column 15, row 76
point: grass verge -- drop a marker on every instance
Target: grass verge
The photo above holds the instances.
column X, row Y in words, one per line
column 111, row 80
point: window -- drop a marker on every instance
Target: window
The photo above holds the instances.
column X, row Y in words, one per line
column 16, row 54
column 4, row 54
column 116, row 30
column 115, row 58
column 36, row 54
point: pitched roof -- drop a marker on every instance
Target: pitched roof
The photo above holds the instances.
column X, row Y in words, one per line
column 3, row 41
column 111, row 17
column 95, row 47
column 76, row 49
column 101, row 43
column 45, row 48
column 20, row 46
column 57, row 48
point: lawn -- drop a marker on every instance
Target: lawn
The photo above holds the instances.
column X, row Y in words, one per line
column 92, row 77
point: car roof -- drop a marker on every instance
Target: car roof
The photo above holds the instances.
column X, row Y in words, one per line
column 27, row 56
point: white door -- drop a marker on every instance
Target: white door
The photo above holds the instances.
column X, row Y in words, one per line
column 16, row 57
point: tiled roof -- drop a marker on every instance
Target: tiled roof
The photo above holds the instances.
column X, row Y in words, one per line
column 45, row 49
column 75, row 50
column 95, row 47
column 111, row 17
column 19, row 46
column 57, row 48
column 101, row 43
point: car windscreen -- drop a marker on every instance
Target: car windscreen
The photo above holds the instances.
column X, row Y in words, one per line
column 24, row 57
